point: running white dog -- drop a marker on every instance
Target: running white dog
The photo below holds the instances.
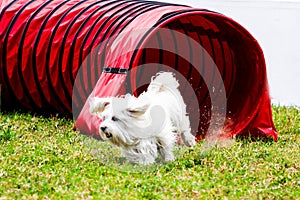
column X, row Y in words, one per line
column 145, row 126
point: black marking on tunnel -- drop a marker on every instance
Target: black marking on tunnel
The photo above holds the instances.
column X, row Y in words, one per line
column 99, row 30
column 75, row 93
column 102, row 26
column 142, row 9
column 83, row 93
column 73, row 43
column 63, row 43
column 107, row 20
column 148, row 6
column 115, row 70
column 116, row 28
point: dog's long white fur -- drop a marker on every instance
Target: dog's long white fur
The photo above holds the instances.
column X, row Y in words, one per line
column 145, row 126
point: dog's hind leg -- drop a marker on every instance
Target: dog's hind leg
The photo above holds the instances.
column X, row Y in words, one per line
column 186, row 135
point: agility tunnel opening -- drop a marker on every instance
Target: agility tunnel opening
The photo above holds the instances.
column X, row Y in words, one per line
column 55, row 54
column 225, row 48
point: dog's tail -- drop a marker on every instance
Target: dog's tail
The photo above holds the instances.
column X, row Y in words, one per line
column 166, row 79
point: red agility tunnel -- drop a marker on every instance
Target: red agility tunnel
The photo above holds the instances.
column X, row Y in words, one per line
column 55, row 54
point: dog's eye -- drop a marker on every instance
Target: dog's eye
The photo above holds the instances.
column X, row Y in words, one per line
column 114, row 119
column 103, row 118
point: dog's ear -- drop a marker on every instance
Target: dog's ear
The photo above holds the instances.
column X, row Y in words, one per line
column 135, row 112
column 98, row 105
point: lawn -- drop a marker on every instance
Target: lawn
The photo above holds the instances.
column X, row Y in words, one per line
column 42, row 158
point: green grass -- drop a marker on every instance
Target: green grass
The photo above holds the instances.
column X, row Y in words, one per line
column 42, row 158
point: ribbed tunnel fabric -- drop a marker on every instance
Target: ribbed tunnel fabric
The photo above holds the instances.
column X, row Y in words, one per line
column 55, row 54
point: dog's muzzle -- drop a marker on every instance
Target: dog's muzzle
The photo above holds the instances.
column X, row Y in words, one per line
column 107, row 134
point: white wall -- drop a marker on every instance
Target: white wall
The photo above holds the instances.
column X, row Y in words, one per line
column 276, row 26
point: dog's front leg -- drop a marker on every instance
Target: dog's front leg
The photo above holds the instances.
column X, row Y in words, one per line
column 166, row 153
column 144, row 154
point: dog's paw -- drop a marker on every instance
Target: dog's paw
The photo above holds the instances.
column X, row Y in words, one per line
column 146, row 161
column 169, row 158
column 188, row 139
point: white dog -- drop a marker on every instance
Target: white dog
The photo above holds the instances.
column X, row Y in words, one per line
column 145, row 126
